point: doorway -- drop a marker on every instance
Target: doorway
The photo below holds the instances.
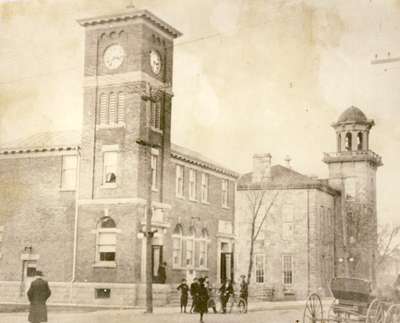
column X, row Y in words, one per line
column 28, row 274
column 226, row 265
column 156, row 261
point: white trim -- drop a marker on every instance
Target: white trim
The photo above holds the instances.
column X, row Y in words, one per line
column 155, row 151
column 105, row 264
column 28, row 256
column 111, row 125
column 201, row 169
column 156, row 130
column 107, row 148
column 128, row 77
column 135, row 200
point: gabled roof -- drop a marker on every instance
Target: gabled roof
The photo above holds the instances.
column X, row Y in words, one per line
column 284, row 178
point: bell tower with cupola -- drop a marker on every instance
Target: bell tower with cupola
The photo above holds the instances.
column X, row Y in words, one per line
column 352, row 170
column 127, row 100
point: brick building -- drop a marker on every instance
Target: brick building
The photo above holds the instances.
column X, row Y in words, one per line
column 315, row 229
column 73, row 205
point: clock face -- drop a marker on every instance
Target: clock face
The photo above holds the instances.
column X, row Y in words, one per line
column 155, row 62
column 114, row 56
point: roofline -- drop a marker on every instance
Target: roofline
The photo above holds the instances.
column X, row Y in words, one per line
column 202, row 163
column 368, row 122
column 25, row 150
column 270, row 186
column 142, row 13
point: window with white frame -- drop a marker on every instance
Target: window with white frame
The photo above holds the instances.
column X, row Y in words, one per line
column 179, row 180
column 204, row 187
column 224, row 190
column 154, row 175
column 106, row 240
column 192, row 184
column 110, row 160
column 203, row 249
column 287, row 270
column 259, row 265
column 68, row 173
column 177, row 241
column 190, row 248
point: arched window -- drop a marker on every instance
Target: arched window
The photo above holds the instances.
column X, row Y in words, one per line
column 112, row 108
column 347, row 144
column 189, row 259
column 121, row 107
column 339, row 142
column 106, row 240
column 203, row 249
column 103, row 109
column 359, row 141
column 177, row 242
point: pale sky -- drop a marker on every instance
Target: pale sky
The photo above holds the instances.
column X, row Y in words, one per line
column 250, row 76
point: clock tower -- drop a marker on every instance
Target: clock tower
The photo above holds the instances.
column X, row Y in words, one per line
column 352, row 170
column 127, row 99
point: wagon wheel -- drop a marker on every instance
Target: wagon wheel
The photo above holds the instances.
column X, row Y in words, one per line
column 376, row 312
column 393, row 314
column 313, row 311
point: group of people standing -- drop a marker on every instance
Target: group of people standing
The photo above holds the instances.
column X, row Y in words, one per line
column 201, row 291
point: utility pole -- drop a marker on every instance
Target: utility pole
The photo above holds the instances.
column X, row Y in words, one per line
column 149, row 96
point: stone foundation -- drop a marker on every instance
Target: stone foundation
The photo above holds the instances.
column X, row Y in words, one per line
column 84, row 294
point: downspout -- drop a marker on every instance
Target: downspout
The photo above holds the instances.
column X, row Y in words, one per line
column 75, row 224
column 308, row 241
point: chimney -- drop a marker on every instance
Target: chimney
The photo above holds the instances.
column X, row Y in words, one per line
column 261, row 167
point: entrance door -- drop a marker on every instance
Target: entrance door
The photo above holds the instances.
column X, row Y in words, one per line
column 29, row 273
column 226, row 266
column 157, row 259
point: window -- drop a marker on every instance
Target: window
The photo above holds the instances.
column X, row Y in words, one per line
column 347, row 142
column 287, row 264
column 103, row 109
column 121, row 107
column 192, row 184
column 203, row 249
column 154, row 176
column 31, row 270
column 110, row 159
column 102, row 293
column 359, row 141
column 68, row 176
column 204, row 187
column 224, row 193
column 112, row 108
column 106, row 240
column 190, row 248
column 179, row 180
column 259, row 264
column 155, row 118
column 177, row 239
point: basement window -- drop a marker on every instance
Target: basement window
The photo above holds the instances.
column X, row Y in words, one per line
column 102, row 293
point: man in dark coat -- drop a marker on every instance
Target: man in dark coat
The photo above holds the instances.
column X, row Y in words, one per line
column 202, row 298
column 194, row 286
column 226, row 290
column 244, row 289
column 38, row 294
column 162, row 272
column 184, row 288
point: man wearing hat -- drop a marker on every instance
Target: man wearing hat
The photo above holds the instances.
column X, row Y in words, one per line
column 38, row 294
column 244, row 289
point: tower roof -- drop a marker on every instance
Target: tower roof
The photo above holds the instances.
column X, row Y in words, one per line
column 353, row 114
column 132, row 15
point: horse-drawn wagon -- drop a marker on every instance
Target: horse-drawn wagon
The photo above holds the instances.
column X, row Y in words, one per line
column 353, row 302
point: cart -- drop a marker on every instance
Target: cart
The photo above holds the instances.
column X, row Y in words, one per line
column 352, row 303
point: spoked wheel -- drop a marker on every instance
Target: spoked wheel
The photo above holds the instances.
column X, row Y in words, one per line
column 376, row 312
column 393, row 314
column 313, row 312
